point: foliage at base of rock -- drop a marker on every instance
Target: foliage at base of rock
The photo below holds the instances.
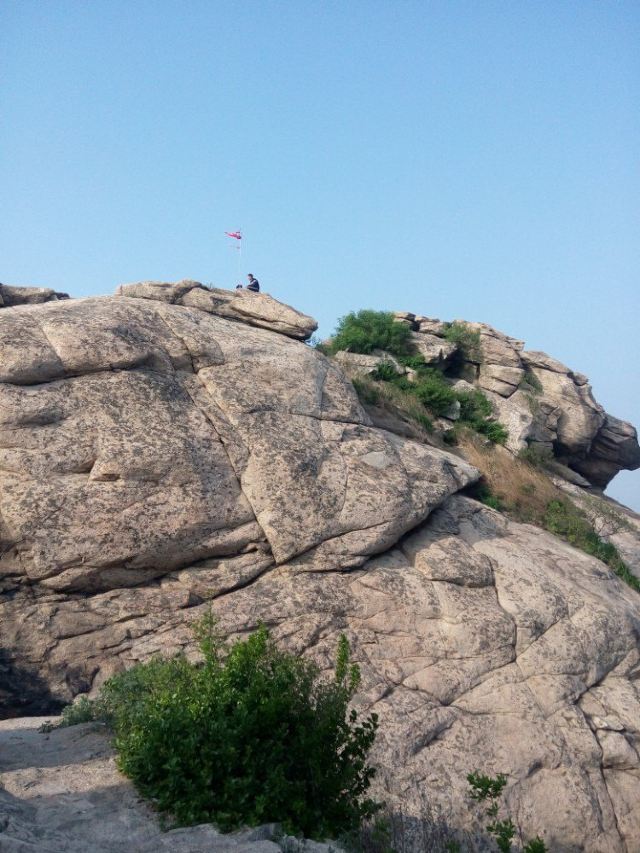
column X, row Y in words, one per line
column 252, row 736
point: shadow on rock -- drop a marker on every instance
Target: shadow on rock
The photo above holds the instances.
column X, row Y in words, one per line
column 23, row 692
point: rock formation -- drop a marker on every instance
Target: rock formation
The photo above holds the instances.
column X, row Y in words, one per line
column 10, row 295
column 542, row 402
column 174, row 448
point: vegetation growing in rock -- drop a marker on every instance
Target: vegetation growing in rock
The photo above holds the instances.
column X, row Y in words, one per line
column 487, row 790
column 520, row 488
column 530, row 382
column 367, row 330
column 251, row 736
column 430, row 388
column 566, row 520
column 467, row 339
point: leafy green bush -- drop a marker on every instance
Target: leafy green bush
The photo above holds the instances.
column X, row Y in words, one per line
column 384, row 372
column 433, row 392
column 468, row 340
column 83, row 710
column 496, row 432
column 569, row 523
column 367, row 330
column 474, row 405
column 476, row 411
column 253, row 736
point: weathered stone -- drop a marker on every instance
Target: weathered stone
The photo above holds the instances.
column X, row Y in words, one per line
column 482, row 644
column 433, row 349
column 496, row 347
column 580, row 416
column 614, row 446
column 256, row 309
column 533, row 358
column 60, row 792
column 405, row 317
column 499, row 379
column 158, row 459
column 427, row 325
column 11, row 295
column 357, row 364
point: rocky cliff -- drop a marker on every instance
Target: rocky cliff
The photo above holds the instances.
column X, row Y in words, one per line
column 175, row 448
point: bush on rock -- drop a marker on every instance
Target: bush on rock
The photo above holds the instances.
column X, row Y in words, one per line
column 367, row 330
column 251, row 736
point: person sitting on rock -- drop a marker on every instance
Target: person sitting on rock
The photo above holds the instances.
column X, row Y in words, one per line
column 254, row 284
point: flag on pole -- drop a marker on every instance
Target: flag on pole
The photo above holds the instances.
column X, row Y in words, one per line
column 235, row 234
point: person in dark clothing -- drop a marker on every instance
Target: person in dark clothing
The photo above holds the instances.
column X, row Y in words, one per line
column 254, row 284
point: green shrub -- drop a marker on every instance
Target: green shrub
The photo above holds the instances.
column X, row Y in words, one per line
column 367, row 330
column 366, row 391
column 476, row 411
column 530, row 382
column 252, row 736
column 83, row 710
column 493, row 430
column 433, row 392
column 468, row 340
column 414, row 362
column 384, row 372
column 474, row 405
column 568, row 522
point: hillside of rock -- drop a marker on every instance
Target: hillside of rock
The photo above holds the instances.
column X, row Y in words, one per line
column 174, row 448
column 542, row 402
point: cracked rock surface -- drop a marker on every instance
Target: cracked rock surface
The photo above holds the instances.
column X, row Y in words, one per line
column 157, row 459
column 145, row 444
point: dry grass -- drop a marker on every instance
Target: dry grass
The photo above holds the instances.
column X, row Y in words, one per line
column 522, row 490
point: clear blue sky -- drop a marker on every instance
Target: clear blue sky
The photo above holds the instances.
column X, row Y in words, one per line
column 474, row 160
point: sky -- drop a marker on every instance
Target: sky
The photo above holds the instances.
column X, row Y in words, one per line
column 455, row 159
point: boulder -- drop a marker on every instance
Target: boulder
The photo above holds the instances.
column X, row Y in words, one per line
column 532, row 358
column 499, row 379
column 614, row 446
column 256, row 309
column 483, row 644
column 496, row 347
column 359, row 364
column 405, row 317
column 580, row 415
column 430, row 326
column 11, row 295
column 158, row 460
column 434, row 350
column 139, row 438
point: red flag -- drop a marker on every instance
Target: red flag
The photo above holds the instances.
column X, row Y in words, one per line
column 235, row 234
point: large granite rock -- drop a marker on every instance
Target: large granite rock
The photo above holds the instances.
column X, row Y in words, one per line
column 483, row 644
column 139, row 438
column 157, row 460
column 256, row 309
column 539, row 399
column 615, row 445
column 11, row 295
